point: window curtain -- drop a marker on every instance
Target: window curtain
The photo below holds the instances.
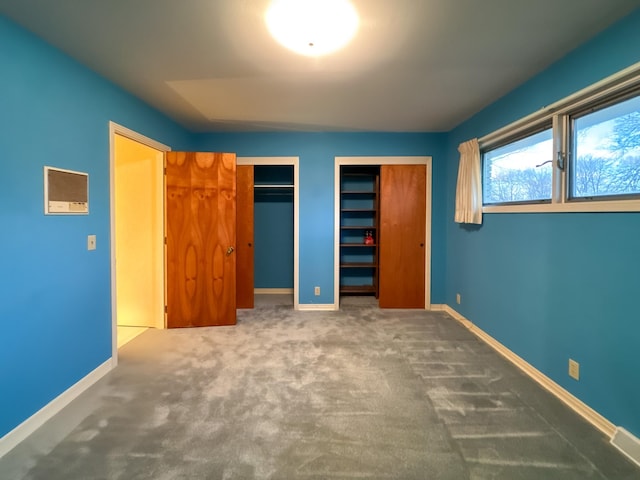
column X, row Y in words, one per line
column 469, row 188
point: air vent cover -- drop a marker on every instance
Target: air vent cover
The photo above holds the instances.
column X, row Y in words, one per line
column 65, row 192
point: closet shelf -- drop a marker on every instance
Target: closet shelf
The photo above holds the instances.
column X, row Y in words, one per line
column 358, row 265
column 358, row 289
column 356, row 174
column 273, row 186
column 358, row 192
column 358, row 245
column 362, row 210
column 357, row 227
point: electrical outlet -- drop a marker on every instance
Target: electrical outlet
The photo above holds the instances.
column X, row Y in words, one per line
column 91, row 242
column 574, row 369
column 458, row 299
column 316, row 291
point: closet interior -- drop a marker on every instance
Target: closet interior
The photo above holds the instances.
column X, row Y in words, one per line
column 274, row 233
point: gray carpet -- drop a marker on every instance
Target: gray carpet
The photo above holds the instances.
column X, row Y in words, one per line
column 357, row 394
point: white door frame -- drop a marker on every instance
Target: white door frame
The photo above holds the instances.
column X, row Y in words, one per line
column 116, row 129
column 295, row 161
column 340, row 161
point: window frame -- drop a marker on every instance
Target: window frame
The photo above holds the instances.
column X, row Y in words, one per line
column 572, row 116
column 610, row 91
column 534, row 129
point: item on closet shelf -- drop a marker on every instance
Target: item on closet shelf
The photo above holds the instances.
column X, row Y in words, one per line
column 368, row 238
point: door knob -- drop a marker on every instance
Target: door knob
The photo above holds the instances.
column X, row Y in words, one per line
column 229, row 251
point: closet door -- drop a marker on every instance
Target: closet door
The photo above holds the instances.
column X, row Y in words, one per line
column 201, row 239
column 402, row 236
column 244, row 232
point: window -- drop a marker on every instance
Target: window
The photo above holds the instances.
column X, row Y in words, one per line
column 606, row 151
column 580, row 154
column 519, row 171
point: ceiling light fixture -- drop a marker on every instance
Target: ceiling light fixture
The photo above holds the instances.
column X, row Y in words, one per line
column 312, row 27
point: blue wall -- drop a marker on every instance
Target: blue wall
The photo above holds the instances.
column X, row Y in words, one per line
column 55, row 300
column 554, row 286
column 273, row 240
column 317, row 152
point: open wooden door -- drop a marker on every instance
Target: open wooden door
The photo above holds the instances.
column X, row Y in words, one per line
column 244, row 226
column 201, row 239
column 402, row 236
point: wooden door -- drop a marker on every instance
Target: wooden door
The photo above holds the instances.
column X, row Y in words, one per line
column 201, row 239
column 402, row 236
column 244, row 232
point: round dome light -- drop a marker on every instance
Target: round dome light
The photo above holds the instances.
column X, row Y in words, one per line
column 312, row 27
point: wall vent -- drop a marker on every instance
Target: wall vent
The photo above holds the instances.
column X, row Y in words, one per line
column 65, row 192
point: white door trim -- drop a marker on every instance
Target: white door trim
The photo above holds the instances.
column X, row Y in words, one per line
column 116, row 129
column 295, row 161
column 339, row 161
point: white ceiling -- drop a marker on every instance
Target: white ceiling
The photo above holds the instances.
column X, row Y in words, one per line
column 415, row 65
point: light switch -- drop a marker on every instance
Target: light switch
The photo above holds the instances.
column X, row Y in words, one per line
column 91, row 242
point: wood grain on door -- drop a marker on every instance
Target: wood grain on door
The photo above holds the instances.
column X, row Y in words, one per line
column 201, row 239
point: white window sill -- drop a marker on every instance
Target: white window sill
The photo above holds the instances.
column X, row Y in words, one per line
column 586, row 206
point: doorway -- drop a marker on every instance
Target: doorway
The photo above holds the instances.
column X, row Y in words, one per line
column 424, row 243
column 275, row 186
column 137, row 234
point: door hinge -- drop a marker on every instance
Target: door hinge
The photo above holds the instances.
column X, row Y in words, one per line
column 165, row 240
column 166, row 309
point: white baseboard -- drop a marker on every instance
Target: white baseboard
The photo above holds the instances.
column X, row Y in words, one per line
column 317, row 307
column 273, row 291
column 627, row 443
column 581, row 408
column 439, row 307
column 35, row 421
